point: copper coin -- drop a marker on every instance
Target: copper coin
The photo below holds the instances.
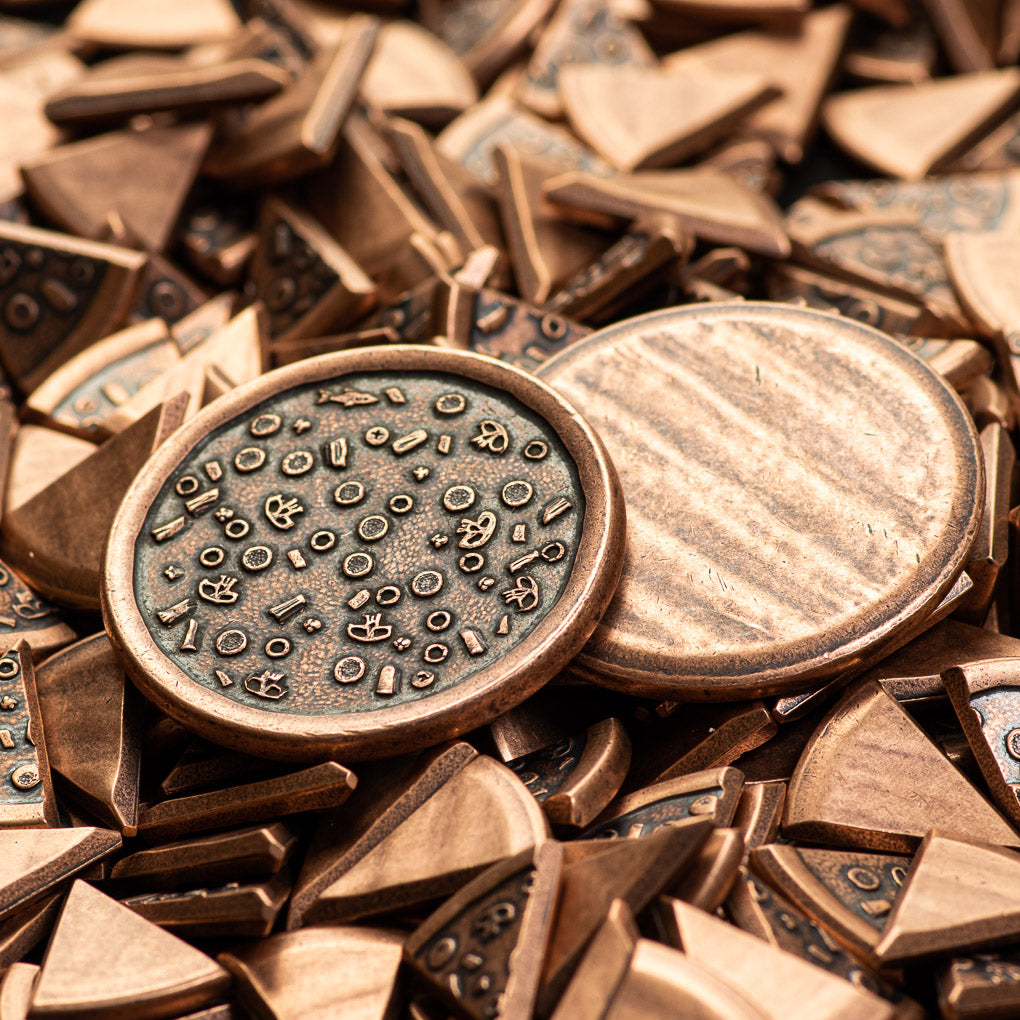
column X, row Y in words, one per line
column 364, row 553
column 801, row 493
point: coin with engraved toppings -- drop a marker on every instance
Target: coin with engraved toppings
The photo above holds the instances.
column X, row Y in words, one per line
column 802, row 493
column 364, row 553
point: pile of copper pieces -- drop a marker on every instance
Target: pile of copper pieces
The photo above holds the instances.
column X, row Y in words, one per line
column 195, row 191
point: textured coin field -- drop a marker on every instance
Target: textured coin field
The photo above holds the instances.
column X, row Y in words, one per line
column 345, row 547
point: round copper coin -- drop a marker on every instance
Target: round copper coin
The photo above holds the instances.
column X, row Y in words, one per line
column 364, row 553
column 802, row 491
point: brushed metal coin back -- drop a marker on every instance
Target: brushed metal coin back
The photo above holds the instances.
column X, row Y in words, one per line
column 801, row 492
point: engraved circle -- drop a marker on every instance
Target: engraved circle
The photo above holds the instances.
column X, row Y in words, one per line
column 451, row 403
column 349, row 493
column 322, row 541
column 427, row 583
column 1013, row 744
column 26, row 776
column 401, row 504
column 278, row 647
column 705, row 805
column 258, row 557
column 459, row 498
column 373, row 528
column 349, row 669
column 435, row 653
column 297, row 462
column 251, row 458
column 517, row 493
column 358, row 564
column 22, row 312
column 441, row 953
column 236, row 529
column 231, row 641
column 212, row 556
column 864, row 878
column 266, row 425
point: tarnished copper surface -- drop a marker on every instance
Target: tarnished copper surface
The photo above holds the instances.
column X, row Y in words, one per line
column 984, row 694
column 580, row 32
column 661, row 982
column 50, row 541
column 980, row 882
column 759, row 812
column 89, row 283
column 308, row 284
column 697, row 737
column 25, row 615
column 120, row 88
column 310, row 789
column 80, row 395
column 620, row 111
column 470, row 139
column 24, row 929
column 712, row 793
column 110, row 22
column 298, row 130
column 104, row 960
column 481, row 815
column 983, row 984
column 849, row 893
column 99, row 752
column 712, row 873
column 489, row 322
column 33, row 867
column 16, row 989
column 81, row 183
column 544, row 250
column 381, row 804
column 203, row 765
column 896, row 55
column 342, row 427
column 218, row 857
column 26, row 795
column 883, row 757
column 576, row 778
column 412, row 74
column 910, row 131
column 802, row 62
column 742, row 560
column 595, row 874
column 603, row 966
column 711, row 204
column 319, row 973
column 500, row 921
column 810, row 669
column 761, row 912
column 234, row 910
column 782, row 983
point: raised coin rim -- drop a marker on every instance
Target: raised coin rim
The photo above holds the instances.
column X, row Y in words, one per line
column 391, row 729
